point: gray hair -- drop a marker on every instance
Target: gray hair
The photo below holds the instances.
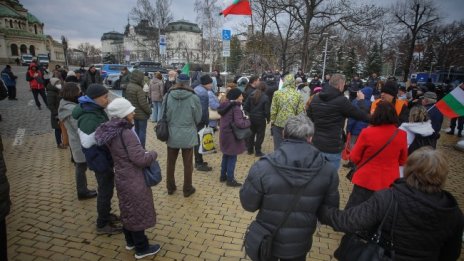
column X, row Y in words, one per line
column 299, row 127
column 336, row 79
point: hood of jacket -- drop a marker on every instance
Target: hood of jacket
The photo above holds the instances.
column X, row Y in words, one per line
column 297, row 161
column 110, row 130
column 421, row 128
column 86, row 104
column 329, row 93
column 226, row 106
column 65, row 109
column 367, row 91
column 181, row 93
column 429, row 206
column 137, row 77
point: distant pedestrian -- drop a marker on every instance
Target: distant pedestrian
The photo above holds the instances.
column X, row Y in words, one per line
column 389, row 93
column 36, row 83
column 54, row 97
column 135, row 197
column 10, row 81
column 137, row 97
column 92, row 75
column 70, row 93
column 429, row 100
column 201, row 90
column 171, row 82
column 419, row 128
column 124, row 80
column 231, row 113
column 250, row 87
column 156, row 96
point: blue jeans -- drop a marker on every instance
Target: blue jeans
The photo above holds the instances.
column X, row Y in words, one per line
column 141, row 130
column 156, row 110
column 333, row 158
column 228, row 166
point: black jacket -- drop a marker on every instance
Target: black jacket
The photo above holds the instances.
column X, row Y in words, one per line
column 5, row 202
column 259, row 111
column 328, row 110
column 272, row 184
column 428, row 226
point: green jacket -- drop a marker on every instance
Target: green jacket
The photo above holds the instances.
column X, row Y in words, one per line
column 136, row 95
column 285, row 103
column 89, row 116
column 183, row 114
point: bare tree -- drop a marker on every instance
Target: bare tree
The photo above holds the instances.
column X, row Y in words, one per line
column 90, row 52
column 207, row 17
column 418, row 16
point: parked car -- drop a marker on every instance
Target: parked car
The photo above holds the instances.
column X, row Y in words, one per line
column 26, row 59
column 112, row 71
column 43, row 59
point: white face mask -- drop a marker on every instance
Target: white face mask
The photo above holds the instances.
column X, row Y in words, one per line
column 58, row 86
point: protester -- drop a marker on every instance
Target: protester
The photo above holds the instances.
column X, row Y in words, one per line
column 184, row 113
column 71, row 77
column 257, row 108
column 300, row 74
column 231, row 113
column 329, row 110
column 34, row 77
column 355, row 85
column 70, row 93
column 373, row 80
column 429, row 100
column 427, row 223
column 389, row 93
column 124, row 80
column 53, row 94
column 285, row 103
column 130, row 158
column 419, row 127
column 315, row 82
column 171, row 82
column 5, row 204
column 156, row 95
column 136, row 96
column 250, row 87
column 213, row 106
column 10, row 81
column 90, row 114
column 274, row 180
column 201, row 90
column 459, row 122
column 92, row 75
column 303, row 89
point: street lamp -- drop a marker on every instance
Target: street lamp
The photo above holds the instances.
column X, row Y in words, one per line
column 325, row 51
column 396, row 62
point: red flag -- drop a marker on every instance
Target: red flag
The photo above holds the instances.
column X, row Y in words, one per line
column 241, row 7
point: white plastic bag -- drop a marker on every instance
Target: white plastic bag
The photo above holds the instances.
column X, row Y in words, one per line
column 207, row 145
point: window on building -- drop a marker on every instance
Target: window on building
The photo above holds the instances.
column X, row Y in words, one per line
column 11, row 23
column 14, row 50
column 32, row 50
column 23, row 49
column 35, row 29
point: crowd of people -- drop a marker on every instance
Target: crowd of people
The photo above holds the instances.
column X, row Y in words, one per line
column 387, row 135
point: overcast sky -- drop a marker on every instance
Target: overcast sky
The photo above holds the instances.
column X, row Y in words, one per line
column 86, row 20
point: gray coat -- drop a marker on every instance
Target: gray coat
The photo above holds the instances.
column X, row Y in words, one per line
column 156, row 90
column 65, row 115
column 135, row 198
column 183, row 115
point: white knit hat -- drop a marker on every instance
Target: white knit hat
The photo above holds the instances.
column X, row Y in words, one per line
column 120, row 108
column 71, row 73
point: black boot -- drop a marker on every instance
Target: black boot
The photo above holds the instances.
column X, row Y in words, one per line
column 460, row 133
column 451, row 132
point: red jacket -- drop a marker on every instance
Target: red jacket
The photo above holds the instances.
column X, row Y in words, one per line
column 34, row 83
column 380, row 172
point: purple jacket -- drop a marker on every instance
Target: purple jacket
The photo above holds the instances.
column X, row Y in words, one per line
column 135, row 198
column 231, row 112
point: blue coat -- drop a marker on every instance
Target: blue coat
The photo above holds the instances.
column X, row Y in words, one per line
column 355, row 126
column 435, row 116
column 8, row 77
column 202, row 93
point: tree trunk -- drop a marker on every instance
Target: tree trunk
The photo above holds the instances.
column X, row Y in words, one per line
column 407, row 65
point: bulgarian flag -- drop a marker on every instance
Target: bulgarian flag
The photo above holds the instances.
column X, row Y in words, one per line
column 238, row 7
column 452, row 105
column 186, row 69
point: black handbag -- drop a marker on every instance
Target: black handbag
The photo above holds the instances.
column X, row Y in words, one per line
column 162, row 128
column 258, row 240
column 152, row 173
column 373, row 248
column 351, row 172
column 240, row 134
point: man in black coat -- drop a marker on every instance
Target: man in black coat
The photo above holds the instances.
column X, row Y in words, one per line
column 274, row 180
column 4, row 204
column 329, row 110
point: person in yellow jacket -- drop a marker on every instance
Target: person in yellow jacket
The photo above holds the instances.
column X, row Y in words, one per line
column 389, row 93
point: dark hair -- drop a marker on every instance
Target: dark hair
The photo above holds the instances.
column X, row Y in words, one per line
column 70, row 92
column 250, row 81
column 260, row 89
column 385, row 113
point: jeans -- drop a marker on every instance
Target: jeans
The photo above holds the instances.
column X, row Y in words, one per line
column 137, row 239
column 258, row 129
column 141, row 130
column 277, row 135
column 459, row 121
column 333, row 158
column 3, row 240
column 58, row 136
column 156, row 110
column 11, row 92
column 81, row 178
column 187, row 157
column 228, row 166
column 35, row 94
column 105, row 181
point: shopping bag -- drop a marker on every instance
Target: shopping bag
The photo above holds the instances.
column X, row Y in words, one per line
column 207, row 145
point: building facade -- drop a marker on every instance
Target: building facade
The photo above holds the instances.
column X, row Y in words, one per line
column 185, row 43
column 22, row 33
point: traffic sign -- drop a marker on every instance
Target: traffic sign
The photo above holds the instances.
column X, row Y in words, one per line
column 226, row 34
column 225, row 53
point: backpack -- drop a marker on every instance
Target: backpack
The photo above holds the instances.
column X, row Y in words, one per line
column 421, row 141
column 28, row 77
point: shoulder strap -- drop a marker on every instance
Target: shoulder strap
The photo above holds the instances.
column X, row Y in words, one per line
column 380, row 150
column 166, row 106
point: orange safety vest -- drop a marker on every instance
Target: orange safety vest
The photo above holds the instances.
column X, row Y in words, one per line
column 398, row 106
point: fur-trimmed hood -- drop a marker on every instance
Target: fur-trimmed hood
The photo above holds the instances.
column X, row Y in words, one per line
column 109, row 130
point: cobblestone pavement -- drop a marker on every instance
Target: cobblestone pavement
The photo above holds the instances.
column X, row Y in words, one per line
column 47, row 222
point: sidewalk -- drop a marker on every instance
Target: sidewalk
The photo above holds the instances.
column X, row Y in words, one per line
column 47, row 222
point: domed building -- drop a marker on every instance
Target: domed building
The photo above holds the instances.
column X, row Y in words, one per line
column 184, row 42
column 23, row 33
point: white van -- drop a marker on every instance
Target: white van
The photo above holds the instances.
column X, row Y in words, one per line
column 26, row 59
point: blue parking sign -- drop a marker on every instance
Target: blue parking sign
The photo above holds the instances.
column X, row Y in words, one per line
column 226, row 34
